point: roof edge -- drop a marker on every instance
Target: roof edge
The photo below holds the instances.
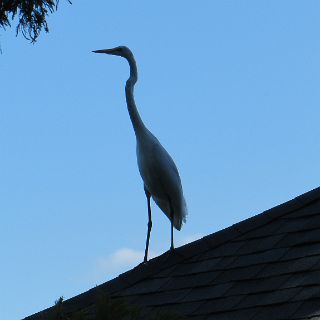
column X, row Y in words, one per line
column 278, row 211
column 168, row 259
column 215, row 239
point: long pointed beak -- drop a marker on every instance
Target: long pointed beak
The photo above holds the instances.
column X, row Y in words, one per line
column 108, row 51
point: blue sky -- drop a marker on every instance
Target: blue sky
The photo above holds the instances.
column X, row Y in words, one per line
column 230, row 88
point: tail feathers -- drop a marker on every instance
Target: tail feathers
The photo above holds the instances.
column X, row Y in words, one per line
column 180, row 218
column 180, row 211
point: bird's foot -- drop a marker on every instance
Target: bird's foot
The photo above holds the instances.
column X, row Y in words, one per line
column 145, row 259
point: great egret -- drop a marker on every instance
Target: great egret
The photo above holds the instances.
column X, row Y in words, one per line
column 157, row 169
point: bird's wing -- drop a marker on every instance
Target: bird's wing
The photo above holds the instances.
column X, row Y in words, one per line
column 160, row 173
column 161, row 178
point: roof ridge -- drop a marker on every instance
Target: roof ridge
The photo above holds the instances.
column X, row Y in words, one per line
column 220, row 237
column 169, row 259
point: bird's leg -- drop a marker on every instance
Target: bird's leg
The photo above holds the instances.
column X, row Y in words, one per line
column 172, row 246
column 171, row 220
column 148, row 195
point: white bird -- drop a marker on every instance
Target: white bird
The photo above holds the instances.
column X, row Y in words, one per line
column 157, row 169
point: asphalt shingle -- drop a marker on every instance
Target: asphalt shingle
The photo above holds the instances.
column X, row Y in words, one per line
column 266, row 267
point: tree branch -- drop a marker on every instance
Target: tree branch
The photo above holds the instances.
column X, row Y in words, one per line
column 32, row 15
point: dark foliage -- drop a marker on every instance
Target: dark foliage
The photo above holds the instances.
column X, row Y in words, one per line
column 106, row 308
column 31, row 15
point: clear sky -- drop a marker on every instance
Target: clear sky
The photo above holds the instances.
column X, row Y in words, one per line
column 230, row 88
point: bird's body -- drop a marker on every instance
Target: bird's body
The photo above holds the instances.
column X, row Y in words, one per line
column 161, row 177
column 157, row 169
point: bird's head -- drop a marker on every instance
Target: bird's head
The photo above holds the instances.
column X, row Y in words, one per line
column 121, row 51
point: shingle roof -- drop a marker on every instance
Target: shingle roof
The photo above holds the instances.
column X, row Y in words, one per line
column 265, row 267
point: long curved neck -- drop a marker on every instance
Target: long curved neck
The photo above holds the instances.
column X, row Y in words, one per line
column 137, row 123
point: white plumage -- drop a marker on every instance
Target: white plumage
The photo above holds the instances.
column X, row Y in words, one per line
column 157, row 169
column 161, row 177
